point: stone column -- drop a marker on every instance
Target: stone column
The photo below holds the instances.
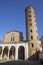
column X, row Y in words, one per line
column 26, row 51
column 8, row 53
column 16, row 53
column 2, row 52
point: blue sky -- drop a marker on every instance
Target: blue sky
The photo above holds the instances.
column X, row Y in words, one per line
column 12, row 16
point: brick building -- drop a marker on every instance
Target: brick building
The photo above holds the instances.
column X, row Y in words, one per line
column 14, row 47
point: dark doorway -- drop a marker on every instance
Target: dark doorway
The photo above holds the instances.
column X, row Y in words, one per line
column 12, row 53
column 21, row 53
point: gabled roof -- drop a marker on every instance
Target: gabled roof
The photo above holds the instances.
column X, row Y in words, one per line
column 13, row 31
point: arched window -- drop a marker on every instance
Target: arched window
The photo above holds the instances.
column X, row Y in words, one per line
column 31, row 37
column 12, row 38
column 32, row 45
column 30, row 30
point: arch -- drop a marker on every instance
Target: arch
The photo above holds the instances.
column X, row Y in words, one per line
column 5, row 52
column 0, row 49
column 12, row 53
column 21, row 53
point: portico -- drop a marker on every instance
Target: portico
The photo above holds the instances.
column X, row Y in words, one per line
column 14, row 51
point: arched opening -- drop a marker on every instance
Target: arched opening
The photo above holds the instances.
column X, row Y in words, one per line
column 5, row 53
column 12, row 53
column 0, row 51
column 21, row 53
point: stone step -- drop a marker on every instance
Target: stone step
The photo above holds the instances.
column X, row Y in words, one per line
column 21, row 63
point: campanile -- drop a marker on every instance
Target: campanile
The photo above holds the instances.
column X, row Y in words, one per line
column 31, row 30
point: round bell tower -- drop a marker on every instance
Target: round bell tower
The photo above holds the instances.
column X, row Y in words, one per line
column 31, row 31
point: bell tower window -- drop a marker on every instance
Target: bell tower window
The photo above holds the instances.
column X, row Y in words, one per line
column 32, row 45
column 31, row 37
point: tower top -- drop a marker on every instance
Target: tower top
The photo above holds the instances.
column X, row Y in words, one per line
column 29, row 7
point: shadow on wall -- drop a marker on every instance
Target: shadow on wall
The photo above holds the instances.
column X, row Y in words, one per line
column 34, row 57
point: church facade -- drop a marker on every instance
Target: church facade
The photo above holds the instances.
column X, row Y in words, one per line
column 14, row 47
